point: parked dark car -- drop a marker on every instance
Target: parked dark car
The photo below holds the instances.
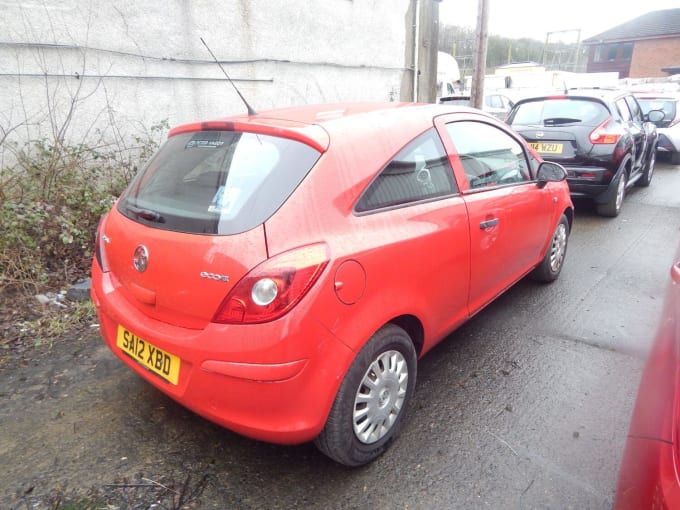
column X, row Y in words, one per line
column 601, row 137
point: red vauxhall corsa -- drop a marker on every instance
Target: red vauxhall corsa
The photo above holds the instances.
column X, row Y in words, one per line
column 649, row 477
column 280, row 273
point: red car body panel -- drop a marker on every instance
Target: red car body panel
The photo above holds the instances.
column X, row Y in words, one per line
column 427, row 266
column 648, row 477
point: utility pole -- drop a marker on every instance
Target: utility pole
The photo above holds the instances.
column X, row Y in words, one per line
column 428, row 44
column 421, row 52
column 477, row 92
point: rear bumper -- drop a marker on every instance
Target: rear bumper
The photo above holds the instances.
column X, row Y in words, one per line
column 275, row 382
column 591, row 182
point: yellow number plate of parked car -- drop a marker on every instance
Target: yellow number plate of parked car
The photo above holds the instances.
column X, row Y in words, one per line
column 157, row 360
column 547, row 148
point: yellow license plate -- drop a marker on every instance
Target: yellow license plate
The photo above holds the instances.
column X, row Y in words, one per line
column 547, row 148
column 148, row 355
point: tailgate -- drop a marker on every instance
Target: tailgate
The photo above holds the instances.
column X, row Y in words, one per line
column 187, row 276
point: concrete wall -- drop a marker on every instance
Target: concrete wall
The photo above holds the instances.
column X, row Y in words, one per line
column 120, row 65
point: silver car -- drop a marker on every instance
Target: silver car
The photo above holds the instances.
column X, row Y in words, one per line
column 668, row 128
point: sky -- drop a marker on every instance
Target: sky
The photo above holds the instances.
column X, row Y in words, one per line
column 535, row 18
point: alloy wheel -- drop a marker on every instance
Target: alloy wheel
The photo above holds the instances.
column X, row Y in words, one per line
column 558, row 247
column 620, row 191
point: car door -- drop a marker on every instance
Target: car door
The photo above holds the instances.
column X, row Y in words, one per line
column 632, row 115
column 410, row 236
column 509, row 215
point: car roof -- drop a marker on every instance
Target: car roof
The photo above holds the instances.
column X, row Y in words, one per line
column 667, row 96
column 602, row 94
column 315, row 124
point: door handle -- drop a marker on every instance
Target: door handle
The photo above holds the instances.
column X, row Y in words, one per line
column 484, row 225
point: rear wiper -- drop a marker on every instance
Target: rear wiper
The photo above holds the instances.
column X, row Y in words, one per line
column 559, row 120
column 145, row 214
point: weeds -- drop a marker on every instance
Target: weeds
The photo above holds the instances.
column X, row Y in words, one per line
column 51, row 201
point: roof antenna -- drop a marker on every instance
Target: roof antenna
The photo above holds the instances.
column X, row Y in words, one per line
column 250, row 109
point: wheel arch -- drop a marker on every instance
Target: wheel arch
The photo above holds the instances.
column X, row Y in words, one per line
column 414, row 329
column 569, row 213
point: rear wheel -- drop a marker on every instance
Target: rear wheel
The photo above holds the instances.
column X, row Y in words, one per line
column 649, row 169
column 675, row 158
column 551, row 265
column 612, row 207
column 372, row 400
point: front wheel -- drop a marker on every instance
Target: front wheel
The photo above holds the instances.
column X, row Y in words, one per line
column 551, row 265
column 374, row 395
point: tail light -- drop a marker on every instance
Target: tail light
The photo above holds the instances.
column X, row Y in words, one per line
column 605, row 133
column 100, row 243
column 274, row 287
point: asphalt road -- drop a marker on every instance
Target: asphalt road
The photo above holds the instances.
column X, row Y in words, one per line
column 525, row 406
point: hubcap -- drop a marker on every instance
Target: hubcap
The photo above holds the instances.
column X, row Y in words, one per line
column 558, row 247
column 380, row 397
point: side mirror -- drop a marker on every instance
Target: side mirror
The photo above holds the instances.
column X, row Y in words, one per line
column 655, row 115
column 550, row 172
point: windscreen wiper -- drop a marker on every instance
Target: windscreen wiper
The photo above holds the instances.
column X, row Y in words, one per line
column 559, row 120
column 146, row 214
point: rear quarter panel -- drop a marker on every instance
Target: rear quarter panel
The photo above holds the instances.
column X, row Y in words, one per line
column 415, row 258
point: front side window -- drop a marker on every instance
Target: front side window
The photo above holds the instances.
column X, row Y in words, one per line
column 489, row 156
column 420, row 171
column 216, row 182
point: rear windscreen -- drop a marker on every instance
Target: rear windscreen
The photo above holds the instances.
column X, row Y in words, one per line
column 559, row 111
column 216, row 182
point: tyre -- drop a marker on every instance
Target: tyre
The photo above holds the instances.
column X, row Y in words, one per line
column 675, row 158
column 551, row 265
column 612, row 207
column 372, row 400
column 649, row 169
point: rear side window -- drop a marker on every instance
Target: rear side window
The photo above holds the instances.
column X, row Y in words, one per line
column 420, row 171
column 216, row 182
column 622, row 107
column 559, row 111
column 635, row 111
